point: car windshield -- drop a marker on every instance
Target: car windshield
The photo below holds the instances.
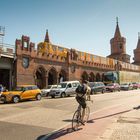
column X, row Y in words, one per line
column 62, row 85
column 55, row 86
column 49, row 86
column 91, row 84
column 19, row 89
column 110, row 84
column 125, row 84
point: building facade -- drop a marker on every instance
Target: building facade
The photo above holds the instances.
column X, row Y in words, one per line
column 51, row 64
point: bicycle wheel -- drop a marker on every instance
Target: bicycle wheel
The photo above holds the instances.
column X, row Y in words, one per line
column 76, row 120
column 87, row 112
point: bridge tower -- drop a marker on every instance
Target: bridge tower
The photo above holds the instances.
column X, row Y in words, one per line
column 118, row 46
column 137, row 52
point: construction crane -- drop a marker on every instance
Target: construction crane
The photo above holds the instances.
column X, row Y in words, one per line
column 2, row 33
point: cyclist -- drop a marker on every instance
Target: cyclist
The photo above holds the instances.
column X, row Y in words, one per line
column 82, row 96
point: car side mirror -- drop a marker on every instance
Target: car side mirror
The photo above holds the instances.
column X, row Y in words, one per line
column 23, row 90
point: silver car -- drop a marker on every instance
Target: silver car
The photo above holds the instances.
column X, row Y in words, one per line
column 45, row 92
column 64, row 89
column 126, row 86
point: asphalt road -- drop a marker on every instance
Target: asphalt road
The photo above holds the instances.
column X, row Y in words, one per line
column 30, row 120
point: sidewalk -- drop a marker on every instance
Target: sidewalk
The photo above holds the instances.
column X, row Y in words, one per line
column 116, row 123
column 126, row 127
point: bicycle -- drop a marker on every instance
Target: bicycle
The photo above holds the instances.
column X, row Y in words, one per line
column 77, row 117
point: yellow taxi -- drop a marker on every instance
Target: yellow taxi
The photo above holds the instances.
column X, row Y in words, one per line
column 22, row 92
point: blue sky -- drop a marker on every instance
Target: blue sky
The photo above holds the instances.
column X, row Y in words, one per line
column 86, row 25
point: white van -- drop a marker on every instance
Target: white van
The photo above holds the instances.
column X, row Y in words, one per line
column 64, row 89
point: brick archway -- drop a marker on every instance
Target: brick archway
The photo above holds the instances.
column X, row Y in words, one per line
column 84, row 76
column 98, row 77
column 52, row 76
column 103, row 77
column 62, row 76
column 40, row 77
column 91, row 77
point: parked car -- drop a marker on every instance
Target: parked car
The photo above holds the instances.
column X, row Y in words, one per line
column 64, row 89
column 45, row 92
column 97, row 87
column 136, row 85
column 126, row 86
column 113, row 87
column 20, row 93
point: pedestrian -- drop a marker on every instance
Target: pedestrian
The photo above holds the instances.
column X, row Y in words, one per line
column 1, row 88
column 88, row 91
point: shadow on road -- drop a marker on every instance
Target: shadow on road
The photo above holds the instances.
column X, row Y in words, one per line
column 68, row 120
column 112, row 114
column 57, row 134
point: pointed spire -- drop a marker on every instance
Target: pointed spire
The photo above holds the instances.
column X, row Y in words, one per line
column 116, row 20
column 138, row 35
column 138, row 44
column 47, row 37
column 117, row 31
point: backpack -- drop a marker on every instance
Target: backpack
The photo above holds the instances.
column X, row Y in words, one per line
column 81, row 89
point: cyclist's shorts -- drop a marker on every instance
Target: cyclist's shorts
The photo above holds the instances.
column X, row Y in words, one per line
column 81, row 101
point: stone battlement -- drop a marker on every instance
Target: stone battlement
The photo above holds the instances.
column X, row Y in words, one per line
column 47, row 51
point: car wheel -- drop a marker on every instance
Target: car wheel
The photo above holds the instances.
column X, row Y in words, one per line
column 103, row 91
column 63, row 95
column 15, row 99
column 113, row 90
column 53, row 96
column 38, row 97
